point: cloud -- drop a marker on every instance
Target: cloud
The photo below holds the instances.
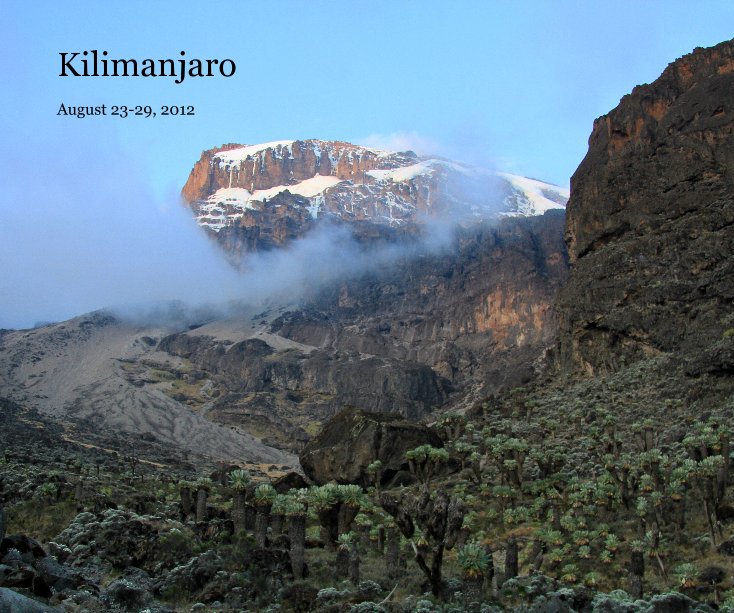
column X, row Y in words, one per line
column 402, row 141
column 468, row 143
column 82, row 230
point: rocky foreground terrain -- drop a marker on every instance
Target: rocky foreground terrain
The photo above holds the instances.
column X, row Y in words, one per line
column 598, row 479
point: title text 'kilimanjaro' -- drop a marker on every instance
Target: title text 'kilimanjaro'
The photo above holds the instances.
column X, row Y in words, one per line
column 95, row 64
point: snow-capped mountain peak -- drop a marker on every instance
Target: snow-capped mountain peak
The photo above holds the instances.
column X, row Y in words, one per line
column 277, row 186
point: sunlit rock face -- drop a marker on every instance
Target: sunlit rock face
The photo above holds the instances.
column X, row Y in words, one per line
column 257, row 197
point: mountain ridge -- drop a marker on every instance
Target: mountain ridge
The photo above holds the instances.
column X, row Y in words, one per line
column 267, row 194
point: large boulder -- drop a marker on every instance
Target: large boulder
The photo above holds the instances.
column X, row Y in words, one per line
column 13, row 602
column 289, row 481
column 26, row 546
column 353, row 439
column 57, row 576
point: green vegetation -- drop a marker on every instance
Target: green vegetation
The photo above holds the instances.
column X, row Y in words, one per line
column 625, row 496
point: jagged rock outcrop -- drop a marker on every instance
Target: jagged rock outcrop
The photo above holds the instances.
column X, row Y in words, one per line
column 650, row 224
column 353, row 439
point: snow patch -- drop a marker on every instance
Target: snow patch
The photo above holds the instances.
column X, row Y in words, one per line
column 404, row 173
column 234, row 156
column 308, row 187
column 230, row 193
column 535, row 202
column 426, row 167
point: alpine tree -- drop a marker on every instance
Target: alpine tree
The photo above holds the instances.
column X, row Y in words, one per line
column 475, row 563
column 424, row 462
column 324, row 500
column 439, row 518
column 202, row 488
column 295, row 511
column 264, row 496
column 238, row 481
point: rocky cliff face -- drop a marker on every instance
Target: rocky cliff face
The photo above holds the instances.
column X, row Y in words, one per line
column 650, row 224
column 258, row 197
column 431, row 332
column 478, row 315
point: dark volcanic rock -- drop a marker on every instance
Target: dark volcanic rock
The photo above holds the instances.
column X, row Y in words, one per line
column 674, row 602
column 650, row 224
column 727, row 547
column 331, row 378
column 289, row 481
column 126, row 595
column 12, row 602
column 57, row 576
column 479, row 311
column 353, row 439
column 26, row 546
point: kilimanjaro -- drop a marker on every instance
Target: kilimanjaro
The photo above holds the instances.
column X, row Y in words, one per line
column 92, row 65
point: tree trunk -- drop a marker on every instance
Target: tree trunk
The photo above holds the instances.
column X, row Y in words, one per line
column 261, row 525
column 392, row 553
column 354, row 565
column 238, row 512
column 346, row 517
column 297, row 534
column 364, row 537
column 636, row 574
column 435, row 575
column 249, row 517
column 556, row 516
column 681, row 519
column 187, row 504
column 2, row 523
column 474, row 588
column 342, row 563
column 462, row 538
column 381, row 539
column 722, row 479
column 536, row 555
column 711, row 523
column 511, row 559
column 201, row 497
column 79, row 494
column 329, row 520
column 489, row 574
column 276, row 524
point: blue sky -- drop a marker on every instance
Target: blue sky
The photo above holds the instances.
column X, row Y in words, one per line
column 515, row 85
